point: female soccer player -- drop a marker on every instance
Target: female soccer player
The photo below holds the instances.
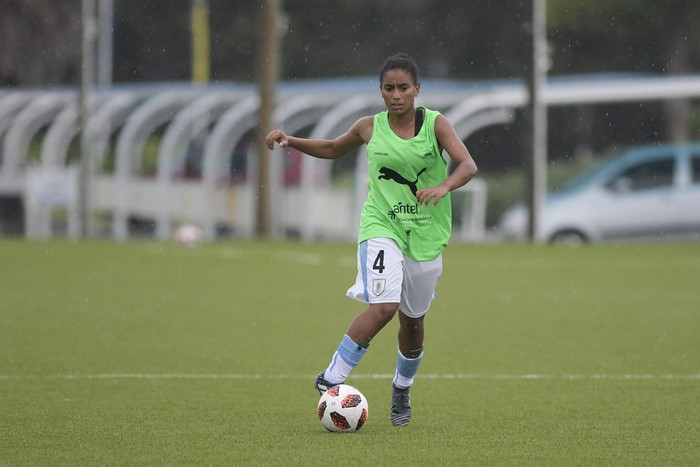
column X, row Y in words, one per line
column 405, row 223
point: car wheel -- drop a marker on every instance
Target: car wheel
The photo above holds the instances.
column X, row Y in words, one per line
column 569, row 237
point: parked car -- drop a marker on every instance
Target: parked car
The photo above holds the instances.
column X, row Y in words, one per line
column 649, row 192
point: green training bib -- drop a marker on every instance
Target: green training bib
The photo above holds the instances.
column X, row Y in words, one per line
column 397, row 169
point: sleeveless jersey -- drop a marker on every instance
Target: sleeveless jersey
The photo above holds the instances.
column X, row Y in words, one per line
column 397, row 169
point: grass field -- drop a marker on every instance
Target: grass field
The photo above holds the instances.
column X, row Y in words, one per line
column 151, row 354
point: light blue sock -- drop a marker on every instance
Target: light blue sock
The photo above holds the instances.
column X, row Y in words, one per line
column 406, row 369
column 344, row 360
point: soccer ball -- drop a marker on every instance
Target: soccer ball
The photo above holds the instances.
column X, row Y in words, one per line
column 188, row 235
column 343, row 408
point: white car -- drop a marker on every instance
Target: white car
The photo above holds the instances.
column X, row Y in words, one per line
column 650, row 192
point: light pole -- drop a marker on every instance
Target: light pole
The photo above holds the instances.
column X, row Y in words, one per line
column 537, row 80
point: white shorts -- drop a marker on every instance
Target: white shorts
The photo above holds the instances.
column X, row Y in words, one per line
column 386, row 275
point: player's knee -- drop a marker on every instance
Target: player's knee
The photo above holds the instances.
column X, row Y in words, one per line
column 411, row 325
column 385, row 311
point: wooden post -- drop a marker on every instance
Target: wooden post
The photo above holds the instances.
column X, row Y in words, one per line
column 267, row 81
column 87, row 163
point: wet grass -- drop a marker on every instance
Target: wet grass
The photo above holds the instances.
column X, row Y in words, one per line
column 151, row 354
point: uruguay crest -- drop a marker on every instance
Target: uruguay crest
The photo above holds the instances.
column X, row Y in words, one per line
column 378, row 286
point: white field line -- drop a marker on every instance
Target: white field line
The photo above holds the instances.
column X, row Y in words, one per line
column 234, row 376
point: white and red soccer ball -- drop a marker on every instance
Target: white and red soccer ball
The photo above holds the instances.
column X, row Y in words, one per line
column 188, row 235
column 343, row 408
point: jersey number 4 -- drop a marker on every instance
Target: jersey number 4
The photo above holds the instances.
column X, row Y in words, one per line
column 379, row 262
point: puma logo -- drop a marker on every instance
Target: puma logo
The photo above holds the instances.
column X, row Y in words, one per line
column 389, row 174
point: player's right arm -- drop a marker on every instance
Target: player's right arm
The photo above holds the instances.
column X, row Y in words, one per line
column 356, row 136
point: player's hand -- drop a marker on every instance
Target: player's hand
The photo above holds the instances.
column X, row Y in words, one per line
column 276, row 136
column 434, row 194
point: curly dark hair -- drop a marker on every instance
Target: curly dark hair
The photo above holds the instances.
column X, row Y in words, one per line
column 400, row 61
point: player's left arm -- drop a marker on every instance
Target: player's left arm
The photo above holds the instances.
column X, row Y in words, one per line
column 465, row 167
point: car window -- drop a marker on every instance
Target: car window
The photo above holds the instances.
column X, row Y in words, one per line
column 646, row 175
column 696, row 169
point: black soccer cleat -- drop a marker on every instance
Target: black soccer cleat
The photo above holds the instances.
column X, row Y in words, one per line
column 400, row 406
column 322, row 385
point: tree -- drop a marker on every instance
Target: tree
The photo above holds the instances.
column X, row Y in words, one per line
column 629, row 36
column 39, row 42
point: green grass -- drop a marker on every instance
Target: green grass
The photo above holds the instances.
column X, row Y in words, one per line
column 151, row 354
